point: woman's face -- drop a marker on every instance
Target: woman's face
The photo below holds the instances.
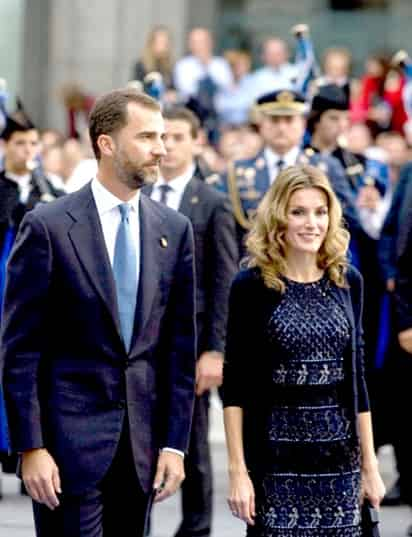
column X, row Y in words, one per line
column 307, row 221
column 161, row 43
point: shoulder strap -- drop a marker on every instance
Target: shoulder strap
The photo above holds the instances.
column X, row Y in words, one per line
column 234, row 196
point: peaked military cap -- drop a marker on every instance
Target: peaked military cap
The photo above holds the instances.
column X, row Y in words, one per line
column 19, row 121
column 330, row 97
column 281, row 103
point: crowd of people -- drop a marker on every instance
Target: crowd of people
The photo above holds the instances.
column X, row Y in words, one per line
column 301, row 183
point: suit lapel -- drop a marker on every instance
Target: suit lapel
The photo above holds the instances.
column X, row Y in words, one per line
column 86, row 235
column 152, row 236
column 190, row 197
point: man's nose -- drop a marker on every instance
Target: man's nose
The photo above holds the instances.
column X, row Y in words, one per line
column 160, row 149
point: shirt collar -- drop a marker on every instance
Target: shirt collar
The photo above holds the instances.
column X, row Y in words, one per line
column 288, row 158
column 106, row 201
column 178, row 184
column 21, row 180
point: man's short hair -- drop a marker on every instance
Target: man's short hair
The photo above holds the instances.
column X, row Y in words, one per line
column 109, row 113
column 181, row 113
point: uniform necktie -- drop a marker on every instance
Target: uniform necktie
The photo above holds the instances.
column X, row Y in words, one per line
column 125, row 275
column 164, row 191
column 280, row 165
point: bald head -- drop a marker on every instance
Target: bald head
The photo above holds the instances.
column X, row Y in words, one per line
column 200, row 43
column 275, row 52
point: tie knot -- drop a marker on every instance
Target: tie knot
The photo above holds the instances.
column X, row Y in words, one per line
column 165, row 188
column 164, row 191
column 280, row 164
column 124, row 209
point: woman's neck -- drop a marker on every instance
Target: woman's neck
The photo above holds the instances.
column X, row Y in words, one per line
column 303, row 268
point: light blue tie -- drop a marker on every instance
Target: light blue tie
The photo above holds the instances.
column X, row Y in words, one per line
column 125, row 275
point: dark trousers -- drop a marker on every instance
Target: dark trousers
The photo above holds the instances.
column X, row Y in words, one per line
column 116, row 507
column 197, row 486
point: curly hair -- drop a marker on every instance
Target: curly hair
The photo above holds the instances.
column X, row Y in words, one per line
column 265, row 241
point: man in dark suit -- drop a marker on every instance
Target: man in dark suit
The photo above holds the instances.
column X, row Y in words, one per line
column 181, row 188
column 98, row 340
column 403, row 296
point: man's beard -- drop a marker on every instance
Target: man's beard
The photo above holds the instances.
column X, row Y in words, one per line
column 135, row 177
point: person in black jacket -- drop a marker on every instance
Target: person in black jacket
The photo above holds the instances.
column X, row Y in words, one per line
column 403, row 296
column 216, row 257
column 297, row 419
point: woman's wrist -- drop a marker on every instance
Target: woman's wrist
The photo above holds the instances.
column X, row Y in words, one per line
column 370, row 464
column 237, row 469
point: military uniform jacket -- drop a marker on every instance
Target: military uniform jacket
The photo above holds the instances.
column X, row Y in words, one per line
column 247, row 181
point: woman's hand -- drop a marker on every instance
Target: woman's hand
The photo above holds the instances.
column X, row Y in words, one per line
column 372, row 486
column 242, row 496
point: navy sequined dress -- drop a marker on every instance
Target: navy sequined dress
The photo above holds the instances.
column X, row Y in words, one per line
column 311, row 482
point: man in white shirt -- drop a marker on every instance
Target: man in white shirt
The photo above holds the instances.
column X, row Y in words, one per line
column 101, row 416
column 277, row 73
column 182, row 188
column 199, row 64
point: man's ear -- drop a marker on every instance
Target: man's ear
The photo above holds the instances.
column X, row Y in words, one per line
column 106, row 145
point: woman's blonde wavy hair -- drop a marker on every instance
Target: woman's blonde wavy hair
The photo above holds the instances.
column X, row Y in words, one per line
column 265, row 241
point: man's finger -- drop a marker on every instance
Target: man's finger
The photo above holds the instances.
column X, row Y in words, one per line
column 48, row 494
column 160, row 476
column 32, row 490
column 170, row 487
column 201, row 385
column 56, row 481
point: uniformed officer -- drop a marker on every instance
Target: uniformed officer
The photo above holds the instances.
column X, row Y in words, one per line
column 281, row 120
column 368, row 180
column 327, row 123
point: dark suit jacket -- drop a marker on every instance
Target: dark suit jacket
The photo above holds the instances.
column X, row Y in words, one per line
column 249, row 354
column 403, row 289
column 216, row 259
column 68, row 381
column 392, row 225
column 12, row 210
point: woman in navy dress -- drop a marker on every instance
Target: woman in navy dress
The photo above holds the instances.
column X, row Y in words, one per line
column 298, row 426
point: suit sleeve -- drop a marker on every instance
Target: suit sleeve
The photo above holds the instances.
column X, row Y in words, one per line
column 403, row 288
column 222, row 265
column 28, row 280
column 236, row 370
column 343, row 192
column 181, row 349
column 356, row 283
column 390, row 230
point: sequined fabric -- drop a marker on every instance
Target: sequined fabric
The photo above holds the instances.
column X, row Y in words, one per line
column 311, row 482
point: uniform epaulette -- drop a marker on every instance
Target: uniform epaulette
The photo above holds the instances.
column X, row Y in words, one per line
column 355, row 169
column 213, row 179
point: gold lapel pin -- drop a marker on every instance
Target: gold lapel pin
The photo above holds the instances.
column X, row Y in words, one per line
column 163, row 242
column 194, row 200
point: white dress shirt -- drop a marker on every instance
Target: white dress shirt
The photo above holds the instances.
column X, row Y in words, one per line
column 273, row 158
column 24, row 184
column 267, row 79
column 108, row 210
column 190, row 70
column 177, row 188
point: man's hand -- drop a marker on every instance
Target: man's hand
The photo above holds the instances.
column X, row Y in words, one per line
column 209, row 371
column 169, row 475
column 368, row 197
column 405, row 340
column 41, row 477
column 390, row 285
